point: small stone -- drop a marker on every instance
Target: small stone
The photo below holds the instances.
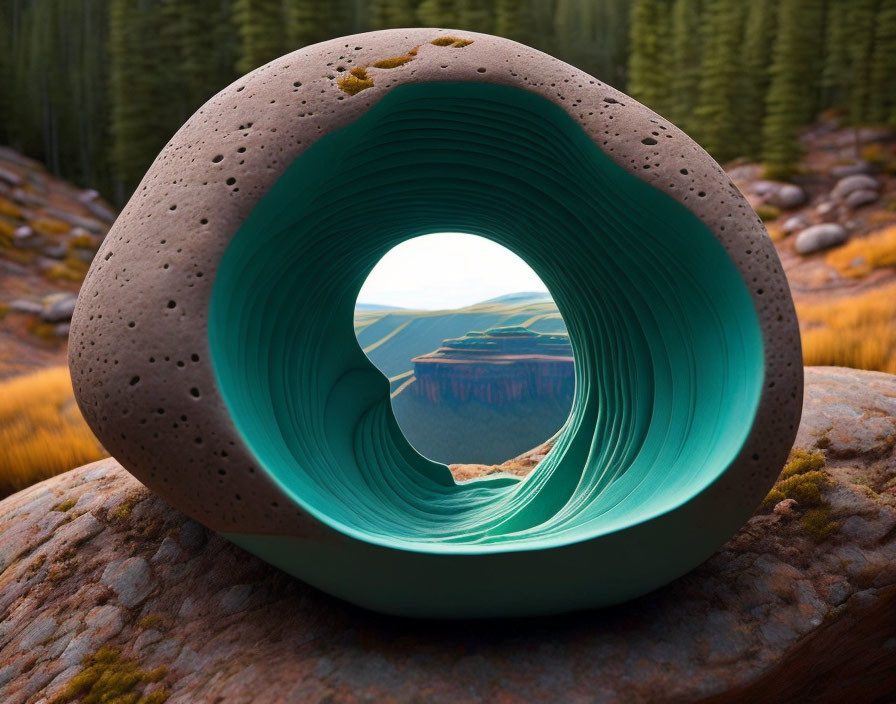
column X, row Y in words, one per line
column 233, row 599
column 795, row 223
column 786, row 508
column 37, row 632
column 857, row 199
column 13, row 179
column 130, row 579
column 787, row 196
column 858, row 167
column 26, row 238
column 819, row 237
column 78, row 530
column 59, row 307
column 169, row 552
column 21, row 305
column 856, row 182
column 764, row 188
column 826, row 208
column 55, row 251
column 29, row 200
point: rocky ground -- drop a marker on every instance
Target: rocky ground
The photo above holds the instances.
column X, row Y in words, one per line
column 105, row 591
column 49, row 233
column 845, row 191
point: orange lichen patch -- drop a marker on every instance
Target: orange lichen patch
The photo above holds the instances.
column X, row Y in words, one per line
column 454, row 42
column 776, row 232
column 861, row 256
column 72, row 269
column 854, row 332
column 7, row 207
column 356, row 81
column 82, row 242
column 50, row 226
column 394, row 62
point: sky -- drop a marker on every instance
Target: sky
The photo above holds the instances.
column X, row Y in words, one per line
column 447, row 270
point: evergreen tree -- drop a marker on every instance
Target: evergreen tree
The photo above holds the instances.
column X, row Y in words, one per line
column 685, row 51
column 138, row 93
column 387, row 14
column 261, row 25
column 648, row 76
column 882, row 100
column 759, row 35
column 835, row 77
column 438, row 13
column 513, row 19
column 789, row 103
column 6, row 75
column 861, row 28
column 593, row 35
column 476, row 15
column 312, row 21
column 717, row 113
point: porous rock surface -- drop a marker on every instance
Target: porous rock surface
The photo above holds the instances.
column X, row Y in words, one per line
column 92, row 563
column 139, row 339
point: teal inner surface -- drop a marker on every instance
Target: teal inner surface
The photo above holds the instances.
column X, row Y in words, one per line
column 667, row 344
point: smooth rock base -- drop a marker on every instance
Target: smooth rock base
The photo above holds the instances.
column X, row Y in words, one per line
column 90, row 560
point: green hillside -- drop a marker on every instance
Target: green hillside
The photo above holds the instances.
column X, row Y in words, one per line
column 474, row 432
column 392, row 338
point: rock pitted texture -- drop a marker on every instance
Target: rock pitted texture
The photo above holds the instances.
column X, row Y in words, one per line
column 101, row 575
column 164, row 371
column 139, row 339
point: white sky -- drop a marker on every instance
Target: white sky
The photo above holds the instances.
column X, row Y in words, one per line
column 447, row 270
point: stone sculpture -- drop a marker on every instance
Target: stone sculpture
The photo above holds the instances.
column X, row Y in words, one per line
column 213, row 353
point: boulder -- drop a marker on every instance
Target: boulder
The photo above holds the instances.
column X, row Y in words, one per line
column 787, row 196
column 101, row 581
column 795, row 223
column 89, row 224
column 55, row 251
column 59, row 307
column 26, row 238
column 848, row 169
column 91, row 200
column 818, row 237
column 856, row 182
column 780, row 195
column 857, row 199
column 827, row 209
column 23, row 305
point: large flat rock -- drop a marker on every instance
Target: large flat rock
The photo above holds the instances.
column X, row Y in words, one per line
column 104, row 586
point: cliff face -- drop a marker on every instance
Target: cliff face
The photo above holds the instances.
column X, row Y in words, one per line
column 498, row 367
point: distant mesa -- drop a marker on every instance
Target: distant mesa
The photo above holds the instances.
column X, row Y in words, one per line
column 500, row 366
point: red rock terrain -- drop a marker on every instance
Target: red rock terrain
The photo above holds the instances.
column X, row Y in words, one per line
column 105, row 589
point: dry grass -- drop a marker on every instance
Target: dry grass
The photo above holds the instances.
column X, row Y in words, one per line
column 42, row 432
column 854, row 332
column 861, row 256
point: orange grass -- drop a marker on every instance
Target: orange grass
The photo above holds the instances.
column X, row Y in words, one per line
column 861, row 256
column 857, row 332
column 42, row 432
